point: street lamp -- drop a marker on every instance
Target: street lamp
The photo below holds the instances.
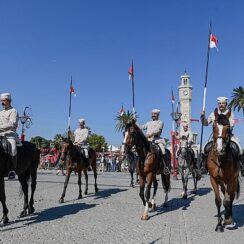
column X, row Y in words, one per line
column 175, row 118
column 26, row 121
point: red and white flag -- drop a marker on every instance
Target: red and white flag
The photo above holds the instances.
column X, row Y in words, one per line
column 122, row 111
column 131, row 72
column 172, row 96
column 72, row 90
column 213, row 41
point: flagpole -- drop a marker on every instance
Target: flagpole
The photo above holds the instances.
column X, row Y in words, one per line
column 205, row 93
column 133, row 90
column 69, row 118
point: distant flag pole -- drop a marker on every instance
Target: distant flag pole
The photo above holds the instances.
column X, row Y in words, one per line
column 131, row 77
column 71, row 92
column 212, row 43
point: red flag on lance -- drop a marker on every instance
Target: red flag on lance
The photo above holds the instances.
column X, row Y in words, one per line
column 131, row 72
column 172, row 96
column 122, row 111
column 213, row 41
column 72, row 90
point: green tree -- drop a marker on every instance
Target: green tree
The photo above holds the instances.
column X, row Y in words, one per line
column 97, row 142
column 237, row 101
column 40, row 141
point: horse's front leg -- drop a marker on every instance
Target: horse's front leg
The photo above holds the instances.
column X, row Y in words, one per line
column 132, row 178
column 150, row 178
column 68, row 172
column 4, row 219
column 23, row 179
column 228, row 200
column 185, row 182
column 86, row 178
column 31, row 209
column 79, row 184
column 218, row 202
column 94, row 169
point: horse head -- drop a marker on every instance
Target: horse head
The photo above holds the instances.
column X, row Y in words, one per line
column 66, row 149
column 221, row 132
column 130, row 135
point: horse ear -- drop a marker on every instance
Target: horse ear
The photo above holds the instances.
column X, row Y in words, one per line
column 216, row 114
column 228, row 114
column 133, row 121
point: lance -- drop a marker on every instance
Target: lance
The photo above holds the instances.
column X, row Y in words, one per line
column 131, row 77
column 70, row 100
column 204, row 95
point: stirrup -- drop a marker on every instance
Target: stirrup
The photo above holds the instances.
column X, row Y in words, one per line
column 11, row 175
column 166, row 170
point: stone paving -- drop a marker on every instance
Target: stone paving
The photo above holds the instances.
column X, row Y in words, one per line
column 113, row 214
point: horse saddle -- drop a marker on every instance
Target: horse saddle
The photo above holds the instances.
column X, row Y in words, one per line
column 84, row 149
column 5, row 145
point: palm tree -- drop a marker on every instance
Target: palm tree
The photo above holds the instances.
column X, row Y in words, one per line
column 237, row 101
column 123, row 119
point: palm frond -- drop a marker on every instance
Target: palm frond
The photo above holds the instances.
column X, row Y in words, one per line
column 122, row 120
column 237, row 101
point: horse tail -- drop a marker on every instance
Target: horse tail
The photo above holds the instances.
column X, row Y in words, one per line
column 238, row 188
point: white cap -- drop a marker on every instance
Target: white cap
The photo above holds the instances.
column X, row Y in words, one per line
column 157, row 111
column 5, row 96
column 81, row 120
column 222, row 99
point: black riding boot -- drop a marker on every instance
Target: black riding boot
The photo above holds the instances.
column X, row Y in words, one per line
column 13, row 165
column 166, row 167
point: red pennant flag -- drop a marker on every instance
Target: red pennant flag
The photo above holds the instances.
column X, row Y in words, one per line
column 131, row 72
column 213, row 41
column 172, row 96
column 122, row 111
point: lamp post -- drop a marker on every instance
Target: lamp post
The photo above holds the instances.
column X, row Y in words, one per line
column 26, row 122
column 175, row 117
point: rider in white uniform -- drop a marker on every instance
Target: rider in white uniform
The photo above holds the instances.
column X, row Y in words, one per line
column 81, row 136
column 222, row 109
column 8, row 125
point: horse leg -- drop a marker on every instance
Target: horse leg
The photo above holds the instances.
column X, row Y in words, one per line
column 218, row 202
column 31, row 209
column 68, row 172
column 185, row 177
column 23, row 179
column 166, row 185
column 4, row 219
column 155, row 187
column 86, row 178
column 150, row 179
column 79, row 184
column 94, row 169
column 132, row 179
column 142, row 187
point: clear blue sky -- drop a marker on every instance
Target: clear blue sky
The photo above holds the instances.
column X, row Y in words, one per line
column 44, row 42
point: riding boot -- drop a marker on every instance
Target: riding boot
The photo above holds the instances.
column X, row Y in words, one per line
column 13, row 166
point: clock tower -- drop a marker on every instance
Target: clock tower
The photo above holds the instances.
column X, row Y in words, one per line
column 185, row 95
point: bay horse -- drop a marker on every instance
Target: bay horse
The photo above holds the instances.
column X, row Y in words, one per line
column 223, row 168
column 186, row 164
column 28, row 159
column 149, row 164
column 76, row 161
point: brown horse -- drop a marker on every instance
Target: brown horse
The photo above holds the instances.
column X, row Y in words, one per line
column 75, row 161
column 223, row 168
column 28, row 159
column 148, row 166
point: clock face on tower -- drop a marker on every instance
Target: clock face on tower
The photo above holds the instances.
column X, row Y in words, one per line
column 185, row 93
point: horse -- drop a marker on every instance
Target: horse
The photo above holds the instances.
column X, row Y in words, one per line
column 186, row 164
column 131, row 158
column 223, row 169
column 149, row 164
column 28, row 159
column 76, row 161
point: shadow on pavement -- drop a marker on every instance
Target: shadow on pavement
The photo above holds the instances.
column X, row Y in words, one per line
column 108, row 192
column 177, row 203
column 58, row 212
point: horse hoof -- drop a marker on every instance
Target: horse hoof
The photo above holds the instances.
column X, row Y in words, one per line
column 22, row 214
column 144, row 217
column 154, row 207
column 228, row 222
column 61, row 200
column 149, row 204
column 31, row 210
column 219, row 228
column 4, row 221
column 79, row 197
column 96, row 189
column 184, row 196
column 86, row 192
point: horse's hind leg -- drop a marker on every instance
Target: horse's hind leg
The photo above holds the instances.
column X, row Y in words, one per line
column 94, row 169
column 4, row 219
column 79, row 184
column 68, row 172
column 166, row 186
column 23, row 179
column 86, row 178
column 132, row 179
column 155, row 187
column 31, row 208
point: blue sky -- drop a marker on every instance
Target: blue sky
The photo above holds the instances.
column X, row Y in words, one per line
column 44, row 42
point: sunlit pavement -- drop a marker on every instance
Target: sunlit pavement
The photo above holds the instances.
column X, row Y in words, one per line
column 113, row 215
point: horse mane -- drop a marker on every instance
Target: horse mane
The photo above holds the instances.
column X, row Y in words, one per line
column 145, row 141
column 223, row 120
